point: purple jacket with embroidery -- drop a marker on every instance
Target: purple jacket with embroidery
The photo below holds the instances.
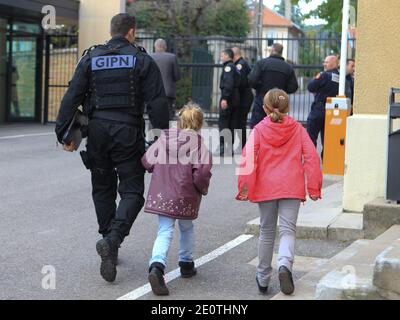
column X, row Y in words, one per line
column 181, row 167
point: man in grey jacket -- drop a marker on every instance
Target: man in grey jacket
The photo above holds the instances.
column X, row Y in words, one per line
column 168, row 65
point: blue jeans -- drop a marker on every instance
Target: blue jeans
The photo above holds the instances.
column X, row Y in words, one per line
column 164, row 238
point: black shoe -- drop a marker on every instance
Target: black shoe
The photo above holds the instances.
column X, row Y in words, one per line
column 156, row 279
column 109, row 255
column 286, row 280
column 116, row 254
column 262, row 290
column 187, row 269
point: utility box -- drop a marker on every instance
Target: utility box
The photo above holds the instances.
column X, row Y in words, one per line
column 336, row 112
column 393, row 155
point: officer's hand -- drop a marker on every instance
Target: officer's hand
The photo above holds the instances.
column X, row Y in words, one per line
column 313, row 198
column 69, row 147
column 224, row 104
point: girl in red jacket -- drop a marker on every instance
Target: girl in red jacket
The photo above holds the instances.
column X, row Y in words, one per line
column 277, row 158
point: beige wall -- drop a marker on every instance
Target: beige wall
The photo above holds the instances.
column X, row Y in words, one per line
column 377, row 57
column 365, row 164
column 94, row 21
column 377, row 70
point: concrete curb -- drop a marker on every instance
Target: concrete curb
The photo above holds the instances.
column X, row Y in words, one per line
column 349, row 228
column 323, row 220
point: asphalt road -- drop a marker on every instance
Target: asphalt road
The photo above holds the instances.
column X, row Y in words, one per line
column 48, row 219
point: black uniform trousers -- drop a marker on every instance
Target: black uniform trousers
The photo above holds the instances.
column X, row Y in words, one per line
column 246, row 100
column 316, row 122
column 229, row 119
column 258, row 113
column 115, row 150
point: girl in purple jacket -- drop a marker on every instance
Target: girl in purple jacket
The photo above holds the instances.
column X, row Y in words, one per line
column 181, row 167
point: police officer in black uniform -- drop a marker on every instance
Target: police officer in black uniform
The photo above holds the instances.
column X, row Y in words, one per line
column 245, row 92
column 112, row 82
column 230, row 101
column 324, row 85
column 272, row 72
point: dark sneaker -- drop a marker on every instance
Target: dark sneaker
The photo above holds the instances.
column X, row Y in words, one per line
column 156, row 279
column 261, row 290
column 109, row 255
column 286, row 280
column 187, row 269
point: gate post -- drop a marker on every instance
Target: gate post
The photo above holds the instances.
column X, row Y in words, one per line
column 46, row 79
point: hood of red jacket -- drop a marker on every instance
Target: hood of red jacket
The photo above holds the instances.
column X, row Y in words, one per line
column 277, row 133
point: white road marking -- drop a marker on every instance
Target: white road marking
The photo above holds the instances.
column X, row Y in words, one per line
column 47, row 231
column 28, row 135
column 139, row 292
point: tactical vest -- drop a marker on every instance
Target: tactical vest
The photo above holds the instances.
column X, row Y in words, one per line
column 114, row 79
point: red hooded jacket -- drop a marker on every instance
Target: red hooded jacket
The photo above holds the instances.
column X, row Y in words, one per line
column 276, row 161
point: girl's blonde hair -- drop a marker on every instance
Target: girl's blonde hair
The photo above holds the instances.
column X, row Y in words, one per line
column 190, row 117
column 276, row 101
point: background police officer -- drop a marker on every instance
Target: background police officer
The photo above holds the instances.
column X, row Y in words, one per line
column 230, row 100
column 324, row 85
column 272, row 72
column 245, row 92
column 113, row 81
column 350, row 70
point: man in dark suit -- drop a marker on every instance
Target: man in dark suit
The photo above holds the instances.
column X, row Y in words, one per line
column 272, row 72
column 168, row 64
column 246, row 94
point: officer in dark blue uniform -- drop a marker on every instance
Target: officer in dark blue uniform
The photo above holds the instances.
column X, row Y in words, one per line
column 324, row 85
column 113, row 82
column 269, row 73
column 245, row 93
column 230, row 101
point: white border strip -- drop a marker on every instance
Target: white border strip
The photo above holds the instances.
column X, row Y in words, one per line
column 139, row 292
column 28, row 135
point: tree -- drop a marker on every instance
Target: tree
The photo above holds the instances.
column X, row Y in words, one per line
column 192, row 17
column 231, row 19
column 297, row 15
column 331, row 12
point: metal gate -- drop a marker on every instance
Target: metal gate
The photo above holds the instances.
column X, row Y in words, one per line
column 61, row 56
column 200, row 65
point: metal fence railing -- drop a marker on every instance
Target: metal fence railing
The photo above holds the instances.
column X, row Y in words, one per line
column 61, row 56
column 199, row 60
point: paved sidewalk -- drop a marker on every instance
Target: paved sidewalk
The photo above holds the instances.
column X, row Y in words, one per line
column 324, row 219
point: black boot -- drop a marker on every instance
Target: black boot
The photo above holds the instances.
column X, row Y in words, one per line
column 261, row 290
column 286, row 280
column 115, row 255
column 187, row 269
column 108, row 251
column 156, row 279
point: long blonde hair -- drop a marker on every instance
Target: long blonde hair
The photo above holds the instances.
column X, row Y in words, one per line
column 190, row 117
column 276, row 101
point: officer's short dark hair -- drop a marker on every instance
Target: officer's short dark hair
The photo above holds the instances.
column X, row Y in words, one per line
column 229, row 53
column 121, row 24
column 277, row 48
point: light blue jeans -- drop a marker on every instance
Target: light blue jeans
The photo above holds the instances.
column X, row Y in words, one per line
column 164, row 238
